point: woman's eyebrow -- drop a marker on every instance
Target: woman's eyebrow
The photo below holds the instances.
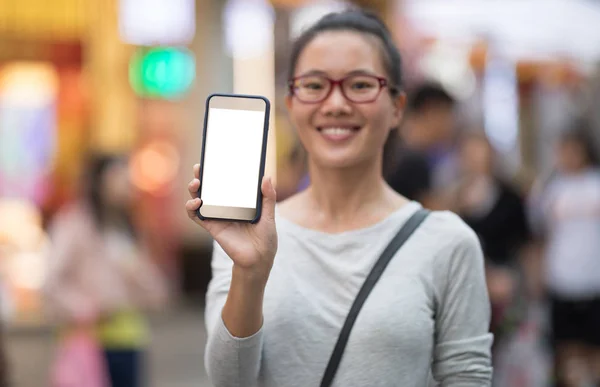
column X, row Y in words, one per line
column 361, row 72
column 313, row 72
column 323, row 73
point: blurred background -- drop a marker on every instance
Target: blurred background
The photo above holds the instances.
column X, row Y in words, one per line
column 130, row 77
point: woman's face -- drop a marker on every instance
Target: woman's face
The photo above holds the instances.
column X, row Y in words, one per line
column 336, row 132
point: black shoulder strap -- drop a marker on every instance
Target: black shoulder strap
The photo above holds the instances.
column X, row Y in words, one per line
column 399, row 239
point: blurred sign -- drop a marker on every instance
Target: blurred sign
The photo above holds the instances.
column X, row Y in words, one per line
column 42, row 19
column 157, row 22
column 248, row 28
column 28, row 93
column 57, row 53
column 162, row 72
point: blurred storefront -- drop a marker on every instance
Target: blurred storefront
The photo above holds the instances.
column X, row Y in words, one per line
column 43, row 116
column 116, row 76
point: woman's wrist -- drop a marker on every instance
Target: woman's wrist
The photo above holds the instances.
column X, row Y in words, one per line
column 255, row 278
column 242, row 312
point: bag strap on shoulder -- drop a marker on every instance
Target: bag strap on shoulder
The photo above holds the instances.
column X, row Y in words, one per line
column 396, row 243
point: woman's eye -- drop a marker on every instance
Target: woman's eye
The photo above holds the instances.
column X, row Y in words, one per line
column 313, row 86
column 362, row 85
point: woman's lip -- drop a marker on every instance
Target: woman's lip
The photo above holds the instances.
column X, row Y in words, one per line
column 352, row 127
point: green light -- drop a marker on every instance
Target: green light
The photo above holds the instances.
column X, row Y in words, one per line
column 162, row 72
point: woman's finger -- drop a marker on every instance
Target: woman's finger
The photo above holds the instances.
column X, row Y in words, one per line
column 269, row 198
column 191, row 206
column 193, row 188
column 197, row 171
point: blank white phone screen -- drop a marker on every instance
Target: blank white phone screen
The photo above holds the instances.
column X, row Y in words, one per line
column 232, row 157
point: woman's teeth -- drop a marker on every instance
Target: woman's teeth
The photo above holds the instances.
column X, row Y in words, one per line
column 336, row 131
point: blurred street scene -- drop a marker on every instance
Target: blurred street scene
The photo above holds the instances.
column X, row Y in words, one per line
column 176, row 355
column 101, row 110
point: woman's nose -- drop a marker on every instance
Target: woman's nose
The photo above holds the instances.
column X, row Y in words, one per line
column 336, row 103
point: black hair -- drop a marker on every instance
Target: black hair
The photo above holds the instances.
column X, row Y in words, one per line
column 580, row 133
column 368, row 23
column 361, row 21
column 97, row 166
column 428, row 95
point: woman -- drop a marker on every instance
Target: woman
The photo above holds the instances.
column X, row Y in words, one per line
column 569, row 210
column 274, row 321
column 99, row 277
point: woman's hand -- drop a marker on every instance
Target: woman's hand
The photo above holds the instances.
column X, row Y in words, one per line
column 252, row 247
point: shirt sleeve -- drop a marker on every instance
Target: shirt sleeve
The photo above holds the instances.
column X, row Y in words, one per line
column 462, row 352
column 230, row 361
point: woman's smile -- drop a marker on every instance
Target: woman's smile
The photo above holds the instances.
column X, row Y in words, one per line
column 337, row 133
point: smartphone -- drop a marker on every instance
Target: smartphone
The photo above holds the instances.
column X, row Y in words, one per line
column 232, row 165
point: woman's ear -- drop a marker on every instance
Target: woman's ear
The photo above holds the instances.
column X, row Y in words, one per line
column 399, row 103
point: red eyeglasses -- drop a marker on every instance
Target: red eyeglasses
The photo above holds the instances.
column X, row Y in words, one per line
column 357, row 88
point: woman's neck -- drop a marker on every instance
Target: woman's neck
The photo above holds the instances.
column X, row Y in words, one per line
column 339, row 196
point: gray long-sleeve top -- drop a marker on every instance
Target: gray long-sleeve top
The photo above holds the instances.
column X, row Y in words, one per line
column 428, row 315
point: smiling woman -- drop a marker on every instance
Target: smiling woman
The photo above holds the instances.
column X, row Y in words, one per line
column 342, row 102
column 283, row 290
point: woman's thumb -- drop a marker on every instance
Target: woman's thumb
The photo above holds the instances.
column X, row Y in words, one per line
column 269, row 198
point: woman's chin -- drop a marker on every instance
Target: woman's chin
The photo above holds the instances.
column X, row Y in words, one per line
column 337, row 161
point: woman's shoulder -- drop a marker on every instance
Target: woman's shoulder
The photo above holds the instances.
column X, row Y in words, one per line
column 449, row 233
column 449, row 224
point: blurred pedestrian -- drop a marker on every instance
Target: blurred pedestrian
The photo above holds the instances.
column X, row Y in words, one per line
column 279, row 295
column 489, row 203
column 100, row 277
column 568, row 209
column 496, row 211
column 429, row 133
column 410, row 174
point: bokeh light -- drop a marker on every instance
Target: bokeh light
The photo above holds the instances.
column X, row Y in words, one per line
column 154, row 167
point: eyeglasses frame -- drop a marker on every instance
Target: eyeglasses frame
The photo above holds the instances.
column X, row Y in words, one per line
column 383, row 83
